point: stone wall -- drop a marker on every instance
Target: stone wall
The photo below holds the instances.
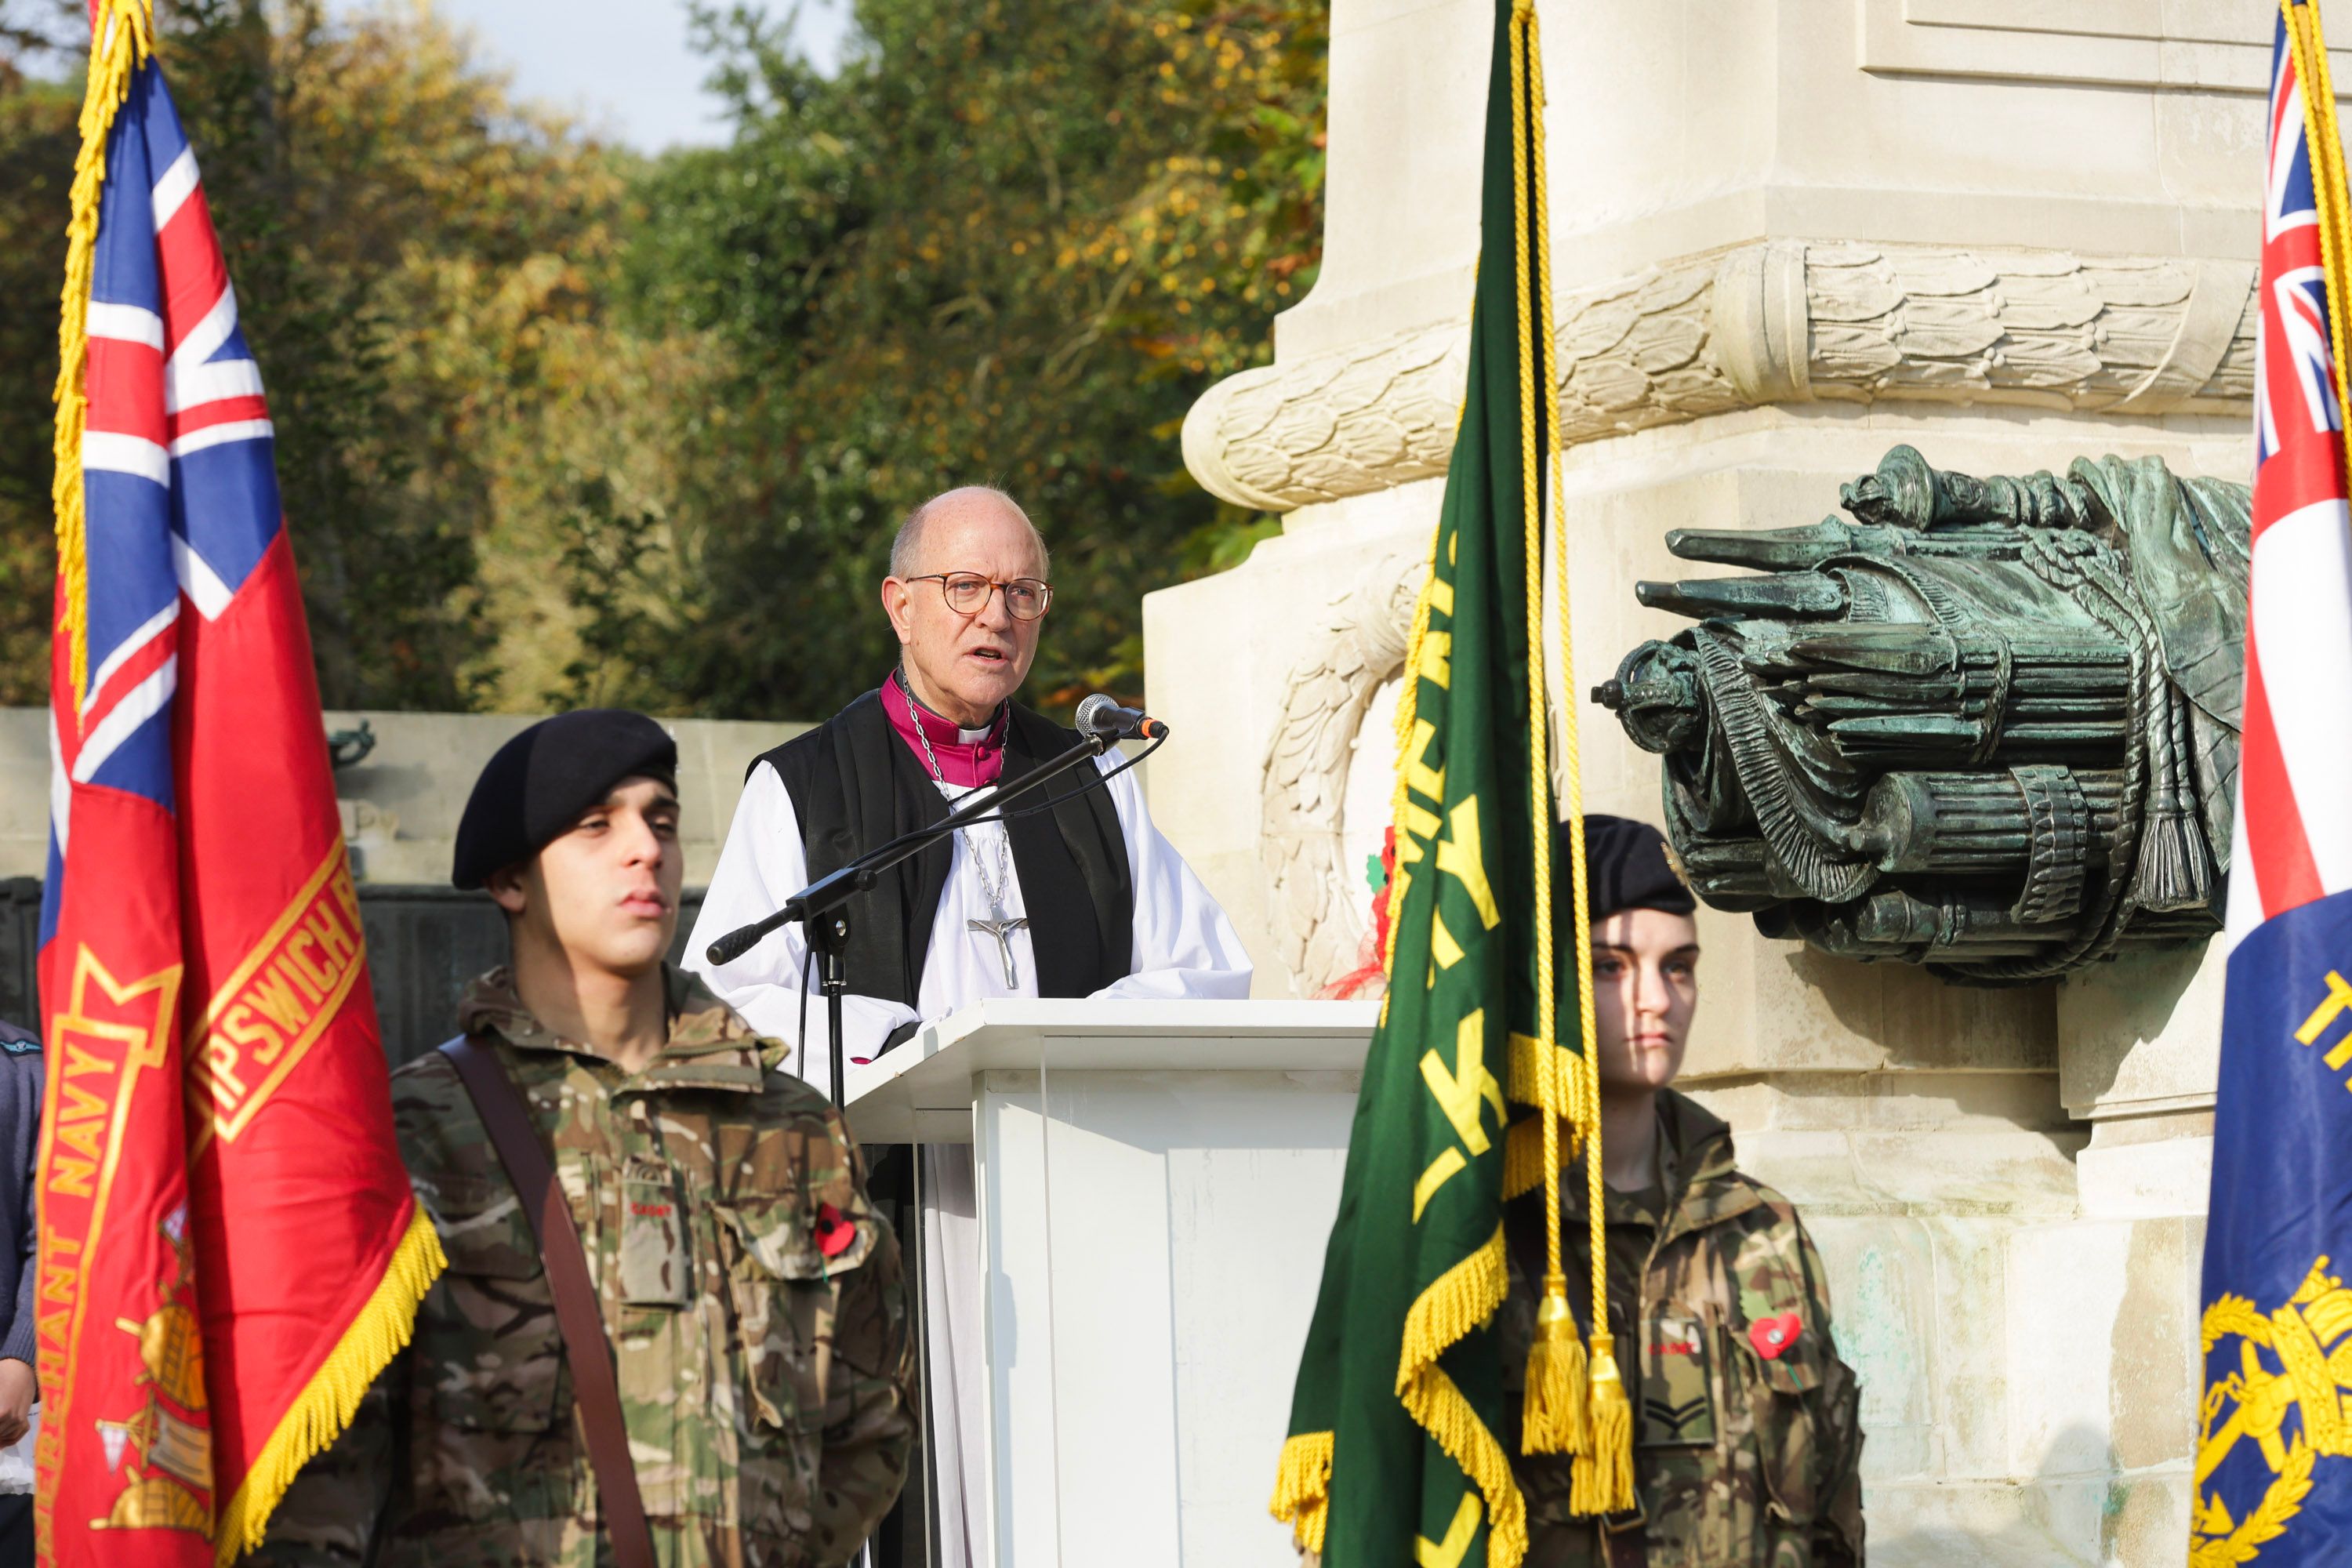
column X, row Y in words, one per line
column 1786, row 235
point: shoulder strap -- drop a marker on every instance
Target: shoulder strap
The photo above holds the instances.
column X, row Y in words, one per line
column 595, row 1387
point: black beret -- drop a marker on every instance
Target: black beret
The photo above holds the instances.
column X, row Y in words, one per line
column 539, row 783
column 1627, row 867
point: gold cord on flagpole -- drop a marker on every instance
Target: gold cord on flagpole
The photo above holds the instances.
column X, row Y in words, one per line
column 2330, row 200
column 1554, row 1416
column 120, row 41
column 1603, row 1479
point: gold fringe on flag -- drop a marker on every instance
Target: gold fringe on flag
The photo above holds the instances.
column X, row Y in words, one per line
column 317, row 1416
column 1523, row 1152
column 1456, row 1301
column 120, row 40
column 1302, row 1488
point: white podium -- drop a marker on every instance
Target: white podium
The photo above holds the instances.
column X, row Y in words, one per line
column 1156, row 1181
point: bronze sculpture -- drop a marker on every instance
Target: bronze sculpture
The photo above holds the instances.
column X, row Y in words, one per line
column 1987, row 724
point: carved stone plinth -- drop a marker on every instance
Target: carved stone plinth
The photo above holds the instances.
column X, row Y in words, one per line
column 1777, row 321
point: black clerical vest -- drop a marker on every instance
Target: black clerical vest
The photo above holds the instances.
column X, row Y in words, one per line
column 855, row 784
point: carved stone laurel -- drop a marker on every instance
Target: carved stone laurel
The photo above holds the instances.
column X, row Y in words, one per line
column 1775, row 321
column 1316, row 901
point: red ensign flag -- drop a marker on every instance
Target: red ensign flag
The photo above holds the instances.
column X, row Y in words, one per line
column 229, row 1251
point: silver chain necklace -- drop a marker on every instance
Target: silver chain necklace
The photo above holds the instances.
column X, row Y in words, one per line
column 1001, row 927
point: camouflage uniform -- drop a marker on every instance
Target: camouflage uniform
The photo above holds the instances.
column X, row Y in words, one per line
column 1746, row 1436
column 765, row 1375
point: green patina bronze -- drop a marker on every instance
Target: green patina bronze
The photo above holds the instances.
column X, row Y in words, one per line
column 1986, row 724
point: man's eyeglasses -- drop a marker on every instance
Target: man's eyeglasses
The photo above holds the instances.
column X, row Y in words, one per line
column 967, row 593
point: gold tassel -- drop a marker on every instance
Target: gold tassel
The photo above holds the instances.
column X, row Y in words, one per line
column 1603, row 1479
column 1302, row 1487
column 1554, row 1417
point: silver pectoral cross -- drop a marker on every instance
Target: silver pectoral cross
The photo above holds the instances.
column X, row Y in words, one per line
column 1003, row 931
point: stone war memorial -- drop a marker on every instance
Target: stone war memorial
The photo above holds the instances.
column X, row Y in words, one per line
column 1906, row 354
column 1941, row 409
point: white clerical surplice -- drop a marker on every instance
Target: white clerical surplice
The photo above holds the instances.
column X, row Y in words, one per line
column 1184, row 946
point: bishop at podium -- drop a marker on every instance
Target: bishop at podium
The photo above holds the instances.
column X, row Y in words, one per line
column 1084, row 899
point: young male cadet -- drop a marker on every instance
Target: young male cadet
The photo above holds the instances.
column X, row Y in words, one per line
column 750, row 1295
column 1086, row 900
column 1746, row 1432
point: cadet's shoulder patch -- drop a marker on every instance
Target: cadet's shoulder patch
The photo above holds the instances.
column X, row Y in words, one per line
column 18, row 1042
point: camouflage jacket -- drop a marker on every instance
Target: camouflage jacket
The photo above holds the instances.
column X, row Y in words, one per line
column 763, row 1351
column 1748, row 1434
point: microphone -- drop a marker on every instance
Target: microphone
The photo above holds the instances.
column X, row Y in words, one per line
column 1098, row 715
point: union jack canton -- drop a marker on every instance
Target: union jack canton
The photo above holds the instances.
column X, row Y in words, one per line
column 179, row 470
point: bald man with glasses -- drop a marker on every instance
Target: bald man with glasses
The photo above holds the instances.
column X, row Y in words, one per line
column 1086, row 900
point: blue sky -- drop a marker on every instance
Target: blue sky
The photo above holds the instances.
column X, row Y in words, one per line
column 623, row 65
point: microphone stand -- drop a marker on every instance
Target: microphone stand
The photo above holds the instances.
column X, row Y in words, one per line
column 818, row 907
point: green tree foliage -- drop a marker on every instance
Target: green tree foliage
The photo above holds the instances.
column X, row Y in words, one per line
column 1011, row 241
column 36, row 155
column 422, row 266
column 559, row 423
column 411, row 249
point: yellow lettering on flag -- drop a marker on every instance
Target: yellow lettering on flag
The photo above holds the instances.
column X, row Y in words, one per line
column 1441, row 945
column 107, row 1033
column 277, row 1002
column 1449, row 1553
column 1419, row 823
column 1458, row 1092
column 1419, row 776
column 1442, row 1170
column 1459, row 855
column 2340, row 997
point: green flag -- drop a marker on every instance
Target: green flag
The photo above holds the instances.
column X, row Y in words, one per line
column 1395, row 1454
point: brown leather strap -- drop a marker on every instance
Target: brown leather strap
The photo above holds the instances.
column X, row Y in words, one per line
column 585, row 1347
column 1627, row 1548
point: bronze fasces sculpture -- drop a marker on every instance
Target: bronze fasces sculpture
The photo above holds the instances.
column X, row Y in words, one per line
column 1986, row 724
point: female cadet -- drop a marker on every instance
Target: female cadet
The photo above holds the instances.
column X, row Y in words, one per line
column 1747, row 1435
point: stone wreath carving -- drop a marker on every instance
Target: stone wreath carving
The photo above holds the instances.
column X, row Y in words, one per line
column 1776, row 321
column 1316, row 901
column 1986, row 725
